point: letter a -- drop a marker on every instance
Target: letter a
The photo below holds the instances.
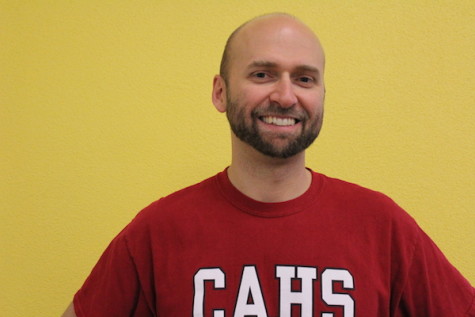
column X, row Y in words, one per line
column 250, row 289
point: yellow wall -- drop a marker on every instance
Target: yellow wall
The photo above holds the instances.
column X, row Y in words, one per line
column 105, row 107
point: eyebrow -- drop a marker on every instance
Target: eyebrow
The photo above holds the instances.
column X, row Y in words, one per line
column 267, row 64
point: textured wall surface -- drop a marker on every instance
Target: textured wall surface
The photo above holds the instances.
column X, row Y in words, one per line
column 105, row 106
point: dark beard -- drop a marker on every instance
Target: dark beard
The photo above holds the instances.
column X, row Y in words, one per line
column 250, row 134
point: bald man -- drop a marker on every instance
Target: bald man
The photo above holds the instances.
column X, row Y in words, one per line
column 268, row 236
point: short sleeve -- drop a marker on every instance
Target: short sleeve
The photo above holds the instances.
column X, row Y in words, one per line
column 433, row 287
column 112, row 288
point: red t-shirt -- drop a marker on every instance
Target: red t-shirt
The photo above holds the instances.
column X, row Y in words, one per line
column 338, row 250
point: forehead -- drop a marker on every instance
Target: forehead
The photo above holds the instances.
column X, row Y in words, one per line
column 282, row 41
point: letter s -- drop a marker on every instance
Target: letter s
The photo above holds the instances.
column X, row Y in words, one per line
column 337, row 299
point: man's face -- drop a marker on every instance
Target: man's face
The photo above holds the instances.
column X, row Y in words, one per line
column 283, row 141
column 275, row 90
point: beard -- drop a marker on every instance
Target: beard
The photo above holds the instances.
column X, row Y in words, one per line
column 247, row 129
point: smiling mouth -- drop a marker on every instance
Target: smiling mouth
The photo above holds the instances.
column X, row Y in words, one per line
column 283, row 122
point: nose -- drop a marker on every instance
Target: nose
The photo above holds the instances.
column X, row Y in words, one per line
column 284, row 93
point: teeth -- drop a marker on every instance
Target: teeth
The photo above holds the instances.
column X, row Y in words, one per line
column 279, row 121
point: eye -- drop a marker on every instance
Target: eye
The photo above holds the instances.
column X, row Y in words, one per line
column 260, row 75
column 306, row 81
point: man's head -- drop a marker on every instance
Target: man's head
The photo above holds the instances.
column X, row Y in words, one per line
column 271, row 85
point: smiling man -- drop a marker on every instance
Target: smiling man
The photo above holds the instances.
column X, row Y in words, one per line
column 272, row 89
column 268, row 236
column 279, row 78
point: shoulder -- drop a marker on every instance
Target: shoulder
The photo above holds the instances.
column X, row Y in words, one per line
column 363, row 203
column 191, row 195
column 178, row 205
column 340, row 191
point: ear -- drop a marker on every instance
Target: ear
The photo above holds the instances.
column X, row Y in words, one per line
column 219, row 93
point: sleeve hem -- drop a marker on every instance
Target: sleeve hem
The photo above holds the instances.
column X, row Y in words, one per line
column 77, row 306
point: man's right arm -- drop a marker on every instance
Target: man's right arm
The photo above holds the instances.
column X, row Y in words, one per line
column 69, row 311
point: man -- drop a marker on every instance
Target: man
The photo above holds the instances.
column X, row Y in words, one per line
column 267, row 236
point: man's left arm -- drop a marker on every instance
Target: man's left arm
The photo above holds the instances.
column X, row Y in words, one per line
column 433, row 286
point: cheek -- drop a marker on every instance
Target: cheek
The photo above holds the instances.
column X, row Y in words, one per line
column 254, row 95
column 313, row 104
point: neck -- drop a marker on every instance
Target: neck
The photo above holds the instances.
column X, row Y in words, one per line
column 268, row 179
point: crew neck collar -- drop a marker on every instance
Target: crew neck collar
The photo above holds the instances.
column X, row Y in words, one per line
column 264, row 209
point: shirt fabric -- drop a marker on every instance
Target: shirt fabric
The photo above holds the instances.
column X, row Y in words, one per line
column 338, row 250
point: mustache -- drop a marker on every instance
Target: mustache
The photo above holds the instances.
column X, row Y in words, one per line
column 276, row 109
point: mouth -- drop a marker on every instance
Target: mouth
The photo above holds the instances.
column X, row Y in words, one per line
column 279, row 121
